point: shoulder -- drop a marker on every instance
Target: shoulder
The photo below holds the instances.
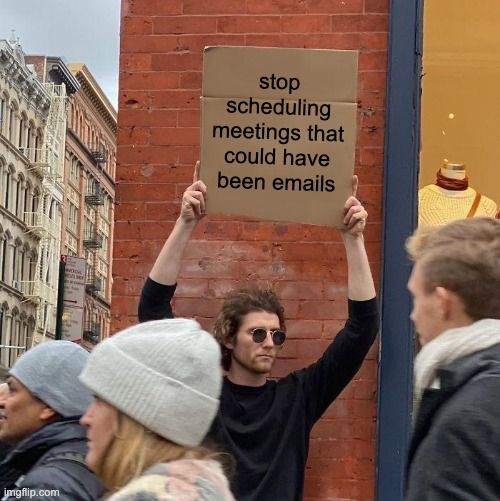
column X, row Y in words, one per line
column 73, row 482
column 64, row 470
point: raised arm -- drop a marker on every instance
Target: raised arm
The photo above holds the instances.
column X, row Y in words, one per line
column 168, row 263
column 324, row 380
column 159, row 287
column 360, row 286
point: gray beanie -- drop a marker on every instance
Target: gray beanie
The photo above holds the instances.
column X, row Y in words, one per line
column 165, row 374
column 50, row 372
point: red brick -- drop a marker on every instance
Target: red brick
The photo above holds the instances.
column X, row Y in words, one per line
column 133, row 99
column 277, row 7
column 214, row 7
column 190, row 288
column 359, row 23
column 136, row 25
column 375, row 60
column 139, row 192
column 196, row 43
column 174, row 99
column 150, row 80
column 132, row 212
column 133, row 135
column 152, row 118
column 305, row 24
column 176, row 62
column 248, row 24
column 189, row 307
column 373, row 80
column 153, row 174
column 149, row 43
column 377, row 6
column 190, row 80
column 208, row 267
column 127, row 287
column 277, row 40
column 175, row 135
column 155, row 7
column 339, row 41
column 299, row 290
column 151, row 154
column 303, row 329
column 135, row 62
column 373, row 41
column 335, row 6
column 184, row 24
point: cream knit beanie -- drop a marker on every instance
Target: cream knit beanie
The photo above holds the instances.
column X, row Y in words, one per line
column 165, row 374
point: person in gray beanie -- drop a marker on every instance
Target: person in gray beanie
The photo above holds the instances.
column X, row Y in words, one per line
column 40, row 419
column 157, row 388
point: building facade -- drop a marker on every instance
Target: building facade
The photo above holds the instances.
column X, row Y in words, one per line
column 32, row 119
column 88, row 221
column 161, row 68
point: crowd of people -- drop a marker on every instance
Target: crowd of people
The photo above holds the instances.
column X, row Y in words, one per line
column 165, row 410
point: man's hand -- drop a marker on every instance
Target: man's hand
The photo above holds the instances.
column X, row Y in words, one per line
column 193, row 199
column 355, row 214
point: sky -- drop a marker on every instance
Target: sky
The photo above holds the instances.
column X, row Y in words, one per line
column 85, row 31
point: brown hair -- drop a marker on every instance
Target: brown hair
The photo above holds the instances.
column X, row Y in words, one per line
column 236, row 307
column 463, row 257
column 134, row 448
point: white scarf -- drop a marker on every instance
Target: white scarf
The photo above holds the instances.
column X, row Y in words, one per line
column 449, row 346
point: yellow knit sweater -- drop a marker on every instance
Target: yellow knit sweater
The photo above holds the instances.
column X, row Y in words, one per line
column 439, row 206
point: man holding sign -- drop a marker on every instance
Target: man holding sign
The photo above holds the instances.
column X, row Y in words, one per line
column 264, row 424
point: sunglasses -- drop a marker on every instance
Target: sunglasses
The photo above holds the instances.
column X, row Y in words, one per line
column 259, row 334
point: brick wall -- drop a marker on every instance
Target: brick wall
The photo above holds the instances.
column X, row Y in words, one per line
column 160, row 81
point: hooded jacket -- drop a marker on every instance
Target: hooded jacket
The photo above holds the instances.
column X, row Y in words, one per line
column 455, row 450
column 50, row 459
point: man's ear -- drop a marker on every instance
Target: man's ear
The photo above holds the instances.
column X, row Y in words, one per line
column 229, row 344
column 47, row 414
column 447, row 300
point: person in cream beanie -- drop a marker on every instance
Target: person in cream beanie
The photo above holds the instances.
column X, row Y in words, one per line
column 164, row 374
column 156, row 387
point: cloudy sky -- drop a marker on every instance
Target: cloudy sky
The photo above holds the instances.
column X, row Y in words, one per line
column 78, row 30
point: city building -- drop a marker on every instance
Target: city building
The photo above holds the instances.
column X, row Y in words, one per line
column 90, row 193
column 57, row 167
column 89, row 189
column 32, row 118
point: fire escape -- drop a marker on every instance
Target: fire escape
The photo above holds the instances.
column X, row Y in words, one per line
column 93, row 241
column 47, row 161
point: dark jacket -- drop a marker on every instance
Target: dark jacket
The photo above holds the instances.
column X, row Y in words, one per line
column 52, row 458
column 455, row 449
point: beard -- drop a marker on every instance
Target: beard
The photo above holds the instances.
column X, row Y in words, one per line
column 256, row 365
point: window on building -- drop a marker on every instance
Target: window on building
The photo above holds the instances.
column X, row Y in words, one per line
column 73, row 218
column 3, row 257
column 74, row 172
column 19, row 196
column 21, row 136
column 11, row 133
column 7, row 189
column 3, row 103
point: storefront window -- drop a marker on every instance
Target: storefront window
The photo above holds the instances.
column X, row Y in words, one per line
column 459, row 162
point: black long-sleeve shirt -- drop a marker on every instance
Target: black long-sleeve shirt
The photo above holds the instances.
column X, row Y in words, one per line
column 266, row 428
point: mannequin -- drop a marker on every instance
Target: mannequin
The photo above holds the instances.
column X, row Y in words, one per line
column 451, row 198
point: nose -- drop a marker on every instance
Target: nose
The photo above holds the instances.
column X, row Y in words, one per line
column 268, row 342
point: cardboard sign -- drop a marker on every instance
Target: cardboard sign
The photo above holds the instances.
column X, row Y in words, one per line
column 278, row 132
